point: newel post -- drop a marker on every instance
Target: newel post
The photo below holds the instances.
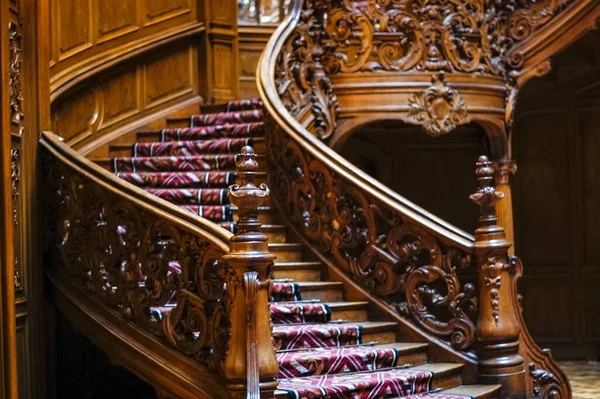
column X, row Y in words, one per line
column 251, row 367
column 498, row 328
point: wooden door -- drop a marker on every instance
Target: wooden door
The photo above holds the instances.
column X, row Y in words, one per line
column 557, row 203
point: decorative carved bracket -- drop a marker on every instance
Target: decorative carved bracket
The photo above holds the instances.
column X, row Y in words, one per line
column 439, row 109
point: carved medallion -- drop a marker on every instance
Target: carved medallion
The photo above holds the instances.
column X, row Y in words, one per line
column 439, row 109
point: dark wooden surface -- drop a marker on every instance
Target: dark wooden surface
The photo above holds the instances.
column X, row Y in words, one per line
column 557, row 202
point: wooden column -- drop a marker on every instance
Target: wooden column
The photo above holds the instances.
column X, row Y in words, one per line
column 221, row 65
column 504, row 209
column 251, row 358
column 498, row 327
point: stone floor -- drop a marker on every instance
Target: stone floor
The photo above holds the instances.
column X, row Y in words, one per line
column 584, row 377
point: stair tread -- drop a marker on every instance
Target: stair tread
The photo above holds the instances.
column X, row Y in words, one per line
column 438, row 369
column 336, row 305
column 297, row 265
column 402, row 347
column 477, row 391
column 307, row 285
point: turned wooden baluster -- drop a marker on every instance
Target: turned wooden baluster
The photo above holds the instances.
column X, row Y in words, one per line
column 251, row 358
column 498, row 328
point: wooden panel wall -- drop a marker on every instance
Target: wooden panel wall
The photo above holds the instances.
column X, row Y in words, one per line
column 84, row 29
column 436, row 174
column 115, row 63
column 253, row 40
column 129, row 92
column 557, row 203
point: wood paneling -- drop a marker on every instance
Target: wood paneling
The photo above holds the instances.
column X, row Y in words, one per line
column 557, row 202
column 110, row 100
column 253, row 40
column 83, row 29
column 436, row 174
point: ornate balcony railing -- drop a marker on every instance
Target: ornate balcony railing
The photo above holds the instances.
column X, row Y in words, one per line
column 263, row 12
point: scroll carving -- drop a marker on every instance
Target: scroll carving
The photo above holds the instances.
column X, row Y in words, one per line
column 414, row 35
column 439, row 109
column 160, row 276
column 545, row 384
column 300, row 76
column 404, row 265
column 15, row 72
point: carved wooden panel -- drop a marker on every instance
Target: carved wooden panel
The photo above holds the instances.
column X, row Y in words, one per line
column 555, row 326
column 76, row 15
column 170, row 76
column 544, row 168
column 588, row 123
column 557, row 197
column 85, row 28
column 156, row 11
column 252, row 42
column 125, row 93
column 115, row 18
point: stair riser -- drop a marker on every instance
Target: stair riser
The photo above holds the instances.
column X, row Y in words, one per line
column 349, row 315
column 324, row 295
column 275, row 236
column 446, row 381
column 299, row 275
column 383, row 337
column 287, row 256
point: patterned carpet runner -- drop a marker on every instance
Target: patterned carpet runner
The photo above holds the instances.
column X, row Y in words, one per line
column 192, row 167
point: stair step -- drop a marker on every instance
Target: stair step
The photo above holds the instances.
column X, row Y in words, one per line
column 298, row 271
column 324, row 291
column 338, row 360
column 349, row 311
column 266, row 214
column 276, row 233
column 286, row 251
column 126, row 149
column 446, row 375
column 474, row 391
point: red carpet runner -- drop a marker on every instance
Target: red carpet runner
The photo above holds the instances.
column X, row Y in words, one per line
column 193, row 167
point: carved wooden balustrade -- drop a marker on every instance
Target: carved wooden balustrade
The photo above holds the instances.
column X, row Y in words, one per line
column 412, row 261
column 170, row 274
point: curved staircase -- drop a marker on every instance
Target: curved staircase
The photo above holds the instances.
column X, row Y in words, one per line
column 327, row 346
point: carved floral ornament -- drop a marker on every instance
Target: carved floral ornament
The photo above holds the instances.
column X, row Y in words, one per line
column 439, row 109
column 349, row 36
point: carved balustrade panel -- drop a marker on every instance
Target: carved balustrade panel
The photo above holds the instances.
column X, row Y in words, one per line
column 400, row 262
column 263, row 11
column 166, row 279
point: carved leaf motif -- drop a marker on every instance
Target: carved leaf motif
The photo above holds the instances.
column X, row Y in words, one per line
column 439, row 109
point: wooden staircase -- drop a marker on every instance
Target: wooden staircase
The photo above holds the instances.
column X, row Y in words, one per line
column 295, row 263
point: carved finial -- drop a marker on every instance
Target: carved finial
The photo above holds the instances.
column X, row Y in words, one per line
column 246, row 195
column 486, row 196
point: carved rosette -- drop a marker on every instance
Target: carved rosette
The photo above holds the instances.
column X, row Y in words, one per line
column 439, row 109
column 397, row 261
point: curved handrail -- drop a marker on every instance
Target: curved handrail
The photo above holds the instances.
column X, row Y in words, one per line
column 187, row 220
column 347, row 171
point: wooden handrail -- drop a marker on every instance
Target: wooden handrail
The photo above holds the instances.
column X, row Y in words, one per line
column 299, row 134
column 118, row 242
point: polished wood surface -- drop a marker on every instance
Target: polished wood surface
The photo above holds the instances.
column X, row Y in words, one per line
column 556, row 144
